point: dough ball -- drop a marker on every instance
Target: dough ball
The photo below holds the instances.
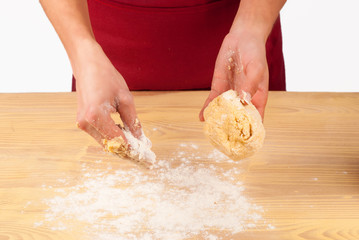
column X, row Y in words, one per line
column 234, row 128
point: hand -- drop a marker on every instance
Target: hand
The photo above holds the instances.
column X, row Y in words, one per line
column 241, row 65
column 102, row 90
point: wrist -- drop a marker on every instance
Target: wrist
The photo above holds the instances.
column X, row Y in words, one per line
column 250, row 24
column 248, row 27
column 256, row 17
column 85, row 53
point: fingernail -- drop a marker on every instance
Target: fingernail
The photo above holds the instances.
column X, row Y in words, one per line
column 136, row 127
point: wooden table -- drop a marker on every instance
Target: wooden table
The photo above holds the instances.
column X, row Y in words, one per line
column 306, row 177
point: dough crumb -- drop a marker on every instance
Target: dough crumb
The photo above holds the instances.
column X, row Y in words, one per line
column 116, row 145
column 234, row 128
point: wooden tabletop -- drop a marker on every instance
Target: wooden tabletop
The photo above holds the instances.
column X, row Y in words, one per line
column 305, row 178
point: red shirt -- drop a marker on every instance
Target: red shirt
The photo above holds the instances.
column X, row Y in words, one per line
column 164, row 3
column 172, row 44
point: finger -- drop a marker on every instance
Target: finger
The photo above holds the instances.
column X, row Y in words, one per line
column 260, row 98
column 126, row 109
column 83, row 125
column 254, row 81
column 219, row 85
column 221, row 81
column 260, row 101
column 102, row 122
column 248, row 80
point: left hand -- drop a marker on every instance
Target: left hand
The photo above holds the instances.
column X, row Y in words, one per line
column 241, row 65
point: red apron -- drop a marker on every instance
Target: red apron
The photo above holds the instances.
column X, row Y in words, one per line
column 172, row 48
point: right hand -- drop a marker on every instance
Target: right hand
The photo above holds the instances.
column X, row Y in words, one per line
column 241, row 65
column 101, row 90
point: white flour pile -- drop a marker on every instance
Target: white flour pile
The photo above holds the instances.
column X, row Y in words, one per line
column 168, row 202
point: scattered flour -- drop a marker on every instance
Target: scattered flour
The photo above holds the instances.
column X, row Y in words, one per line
column 188, row 199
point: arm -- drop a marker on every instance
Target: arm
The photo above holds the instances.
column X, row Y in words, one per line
column 101, row 88
column 257, row 16
column 241, row 62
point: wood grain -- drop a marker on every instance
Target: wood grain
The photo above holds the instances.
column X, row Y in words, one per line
column 306, row 177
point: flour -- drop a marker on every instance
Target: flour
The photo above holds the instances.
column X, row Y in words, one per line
column 178, row 199
column 140, row 148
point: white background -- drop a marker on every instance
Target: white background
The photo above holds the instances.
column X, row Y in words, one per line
column 321, row 47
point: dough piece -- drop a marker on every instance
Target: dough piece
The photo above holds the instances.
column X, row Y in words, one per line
column 116, row 145
column 234, row 128
column 136, row 149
